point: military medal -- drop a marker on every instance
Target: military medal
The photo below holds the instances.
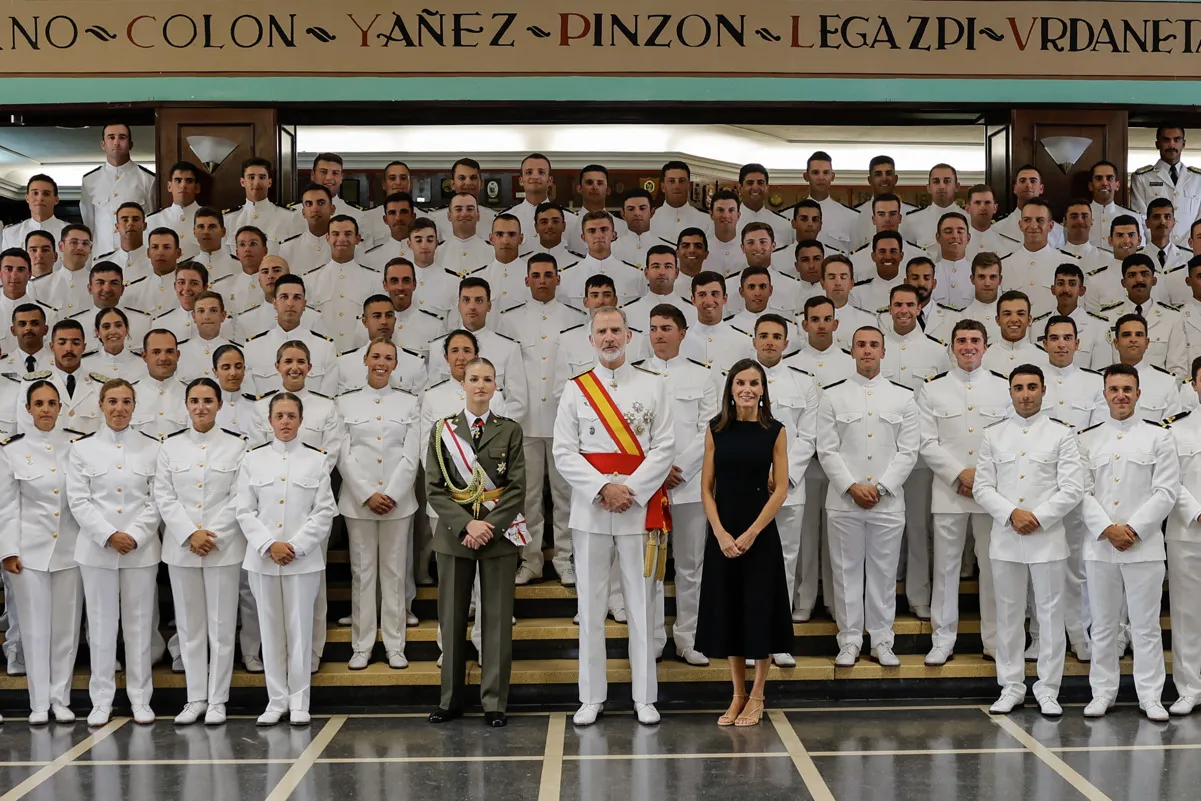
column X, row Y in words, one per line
column 500, row 468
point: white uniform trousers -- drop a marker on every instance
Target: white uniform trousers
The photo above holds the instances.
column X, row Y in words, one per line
column 1009, row 585
column 206, row 609
column 1076, row 614
column 689, row 530
column 593, row 558
column 1184, row 588
column 538, row 464
column 949, row 539
column 1140, row 584
column 120, row 596
column 865, row 548
column 249, row 638
column 12, row 633
column 286, row 621
column 379, row 564
column 52, row 606
column 788, row 522
column 918, row 487
column 321, row 608
column 813, row 528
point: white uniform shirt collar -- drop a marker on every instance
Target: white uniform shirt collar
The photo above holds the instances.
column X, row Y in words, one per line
column 201, row 437
column 1061, row 372
column 607, row 375
column 121, row 436
column 1126, row 425
column 974, row 375
column 286, row 447
column 663, row 365
column 867, row 382
column 471, row 418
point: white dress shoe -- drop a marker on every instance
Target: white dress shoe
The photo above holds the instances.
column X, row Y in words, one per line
column 299, row 717
column 587, row 714
column 525, row 575
column 938, row 657
column 16, row 666
column 1156, row 712
column 647, row 714
column 847, row 656
column 1097, row 708
column 359, row 661
column 62, row 713
column 411, row 619
column 269, row 718
column 215, row 715
column 439, row 663
column 921, row 612
column 397, row 660
column 143, row 714
column 99, row 716
column 1050, row 707
column 253, row 664
column 314, row 664
column 1184, row 705
column 1031, row 654
column 884, row 655
column 1083, row 651
column 1123, row 641
column 694, row 657
column 39, row 718
column 576, row 618
column 801, row 615
column 345, row 621
column 567, row 577
column 191, row 713
column 177, row 665
column 1006, row 703
column 618, row 614
column 784, row 660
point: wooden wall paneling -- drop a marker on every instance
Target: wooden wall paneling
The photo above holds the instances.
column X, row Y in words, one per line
column 254, row 131
column 1108, row 130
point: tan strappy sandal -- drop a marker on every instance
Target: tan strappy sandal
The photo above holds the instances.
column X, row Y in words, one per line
column 736, row 707
column 750, row 718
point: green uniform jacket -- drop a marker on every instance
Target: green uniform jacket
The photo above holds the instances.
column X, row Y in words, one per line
column 500, row 444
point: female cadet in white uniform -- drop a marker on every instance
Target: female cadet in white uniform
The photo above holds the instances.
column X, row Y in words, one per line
column 378, row 464
column 110, row 479
column 113, row 359
column 203, row 547
column 39, row 554
column 285, row 508
column 321, row 428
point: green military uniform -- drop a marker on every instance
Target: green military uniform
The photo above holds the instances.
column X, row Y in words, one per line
column 499, row 453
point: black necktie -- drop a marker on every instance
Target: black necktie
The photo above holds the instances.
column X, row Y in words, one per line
column 70, row 386
column 1163, row 258
column 30, row 364
column 921, row 320
column 477, row 429
column 1138, row 309
column 1173, row 173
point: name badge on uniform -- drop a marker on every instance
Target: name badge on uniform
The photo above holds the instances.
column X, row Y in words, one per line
column 1156, row 183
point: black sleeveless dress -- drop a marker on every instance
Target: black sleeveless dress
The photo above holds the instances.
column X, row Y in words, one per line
column 744, row 608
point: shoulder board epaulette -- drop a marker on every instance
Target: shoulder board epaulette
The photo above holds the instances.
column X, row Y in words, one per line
column 638, row 366
column 635, row 266
column 882, row 310
column 574, row 263
column 440, row 383
column 319, row 395
column 289, row 239
column 264, row 445
column 1090, row 428
column 935, row 377
column 321, row 336
column 1162, row 369
column 129, row 309
column 1174, row 307
column 411, row 352
column 1090, row 370
column 574, row 327
column 739, row 330
column 836, row 383
column 580, row 373
column 1098, row 270
column 864, row 281
column 933, row 338
column 104, row 256
column 375, row 248
column 248, row 396
column 310, row 272
column 266, row 394
column 150, row 436
column 40, row 277
column 143, row 169
column 800, row 370
column 176, row 433
column 431, row 314
column 996, row 423
column 999, row 375
column 368, row 268
column 348, row 352
column 13, row 438
column 503, row 336
column 1194, row 169
column 1142, row 170
column 1160, row 424
column 1068, row 253
column 1041, row 316
column 702, row 364
column 637, row 330
column 74, row 432
column 1176, row 268
column 1098, row 316
column 1111, row 306
column 861, row 247
column 85, row 436
column 36, row 375
column 128, row 284
column 1061, row 422
column 99, row 377
column 350, row 392
column 511, row 308
column 234, row 209
column 94, row 169
column 948, row 307
column 310, row 447
column 164, row 314
column 1006, row 256
column 92, row 352
column 782, row 247
column 1040, row 348
column 253, row 337
column 42, row 303
column 1176, row 417
column 899, row 384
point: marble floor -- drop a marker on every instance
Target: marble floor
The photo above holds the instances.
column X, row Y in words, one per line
column 885, row 752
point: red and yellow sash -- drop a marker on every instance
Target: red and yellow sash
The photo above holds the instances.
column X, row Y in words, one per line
column 630, row 454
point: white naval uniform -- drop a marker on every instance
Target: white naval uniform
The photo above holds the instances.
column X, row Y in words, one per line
column 1171, row 271
column 219, row 263
column 338, row 291
column 1033, row 272
column 576, row 354
column 789, row 293
column 850, row 319
column 871, row 291
column 599, row 535
column 304, row 252
column 101, row 193
column 110, row 477
column 194, row 488
column 506, row 282
column 628, row 281
column 1159, row 396
column 1132, row 478
column 826, row 366
column 694, row 400
column 1103, row 217
column 161, row 408
column 1002, row 356
column 284, row 495
column 179, row 321
column 954, row 409
column 80, row 411
column 66, row 290
column 437, row 291
column 867, row 433
column 180, row 220
column 865, row 229
column 340, row 207
column 524, row 211
column 17, row 361
column 462, row 257
column 505, row 355
column 153, row 294
column 910, row 361
column 1007, row 227
column 380, row 454
column 1093, row 332
column 1155, row 181
column 409, row 375
column 574, row 234
column 1166, row 346
column 668, row 221
column 839, row 223
column 260, row 318
column 124, row 364
column 1031, row 464
column 638, row 312
column 134, row 264
column 936, row 321
column 260, row 353
column 537, row 325
column 483, row 228
column 196, row 357
column 48, row 592
column 986, row 314
column 275, row 221
column 416, row 328
column 14, row 235
column 781, row 226
column 716, row 346
column 8, row 342
column 1190, row 326
column 139, row 324
column 1103, row 277
column 1184, row 558
column 954, row 282
column 387, row 249
column 921, row 226
column 239, row 292
column 631, row 247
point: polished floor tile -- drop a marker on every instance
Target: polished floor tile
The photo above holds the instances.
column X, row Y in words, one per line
column 196, row 782
column 420, row 781
column 237, row 739
column 1140, row 775
column 20, row 742
column 761, row 779
column 417, row 737
column 898, row 729
column 1122, row 726
column 692, row 733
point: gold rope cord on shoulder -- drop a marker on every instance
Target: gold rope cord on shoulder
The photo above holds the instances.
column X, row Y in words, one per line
column 473, row 493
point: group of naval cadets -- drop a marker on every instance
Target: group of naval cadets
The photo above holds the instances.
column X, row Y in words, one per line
column 219, row 388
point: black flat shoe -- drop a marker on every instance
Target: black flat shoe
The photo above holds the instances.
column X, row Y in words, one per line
column 441, row 715
column 496, row 720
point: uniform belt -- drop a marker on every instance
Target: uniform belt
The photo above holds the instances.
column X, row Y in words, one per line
column 658, row 511
column 468, row 497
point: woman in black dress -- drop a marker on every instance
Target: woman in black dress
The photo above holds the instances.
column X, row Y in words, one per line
column 744, row 609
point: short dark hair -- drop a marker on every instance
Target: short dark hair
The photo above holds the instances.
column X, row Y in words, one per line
column 1119, row 369
column 693, row 231
column 16, row 253
column 750, row 169
column 674, row 165
column 542, row 258
column 66, row 325
column 376, row 298
column 153, row 332
column 1196, row 366
column 660, row 250
column 1069, row 269
column 289, row 279
column 473, row 282
column 251, row 229
column 1122, row 219
column 1027, row 369
column 910, row 288
column 672, row 313
column 968, row 324
column 817, row 155
column 226, row 348
column 724, row 194
column 255, row 161
column 599, row 280
column 26, row 308
column 1169, row 125
column 460, row 332
column 807, row 243
column 549, row 205
column 887, row 197
column 399, row 197
column 1012, row 295
column 39, row 232
column 814, row 302
column 1129, row 318
column 985, row 258
column 706, row 277
column 1060, row 319
column 163, row 230
column 880, row 236
column 312, row 187
column 602, row 169
column 1102, row 163
column 184, row 166
column 756, row 227
column 1160, row 203
column 333, row 158
column 878, row 160
column 1137, row 260
column 344, row 218
column 465, row 162
column 195, row 267
column 751, row 272
column 105, row 267
column 771, row 317
column 538, row 156
column 43, row 179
